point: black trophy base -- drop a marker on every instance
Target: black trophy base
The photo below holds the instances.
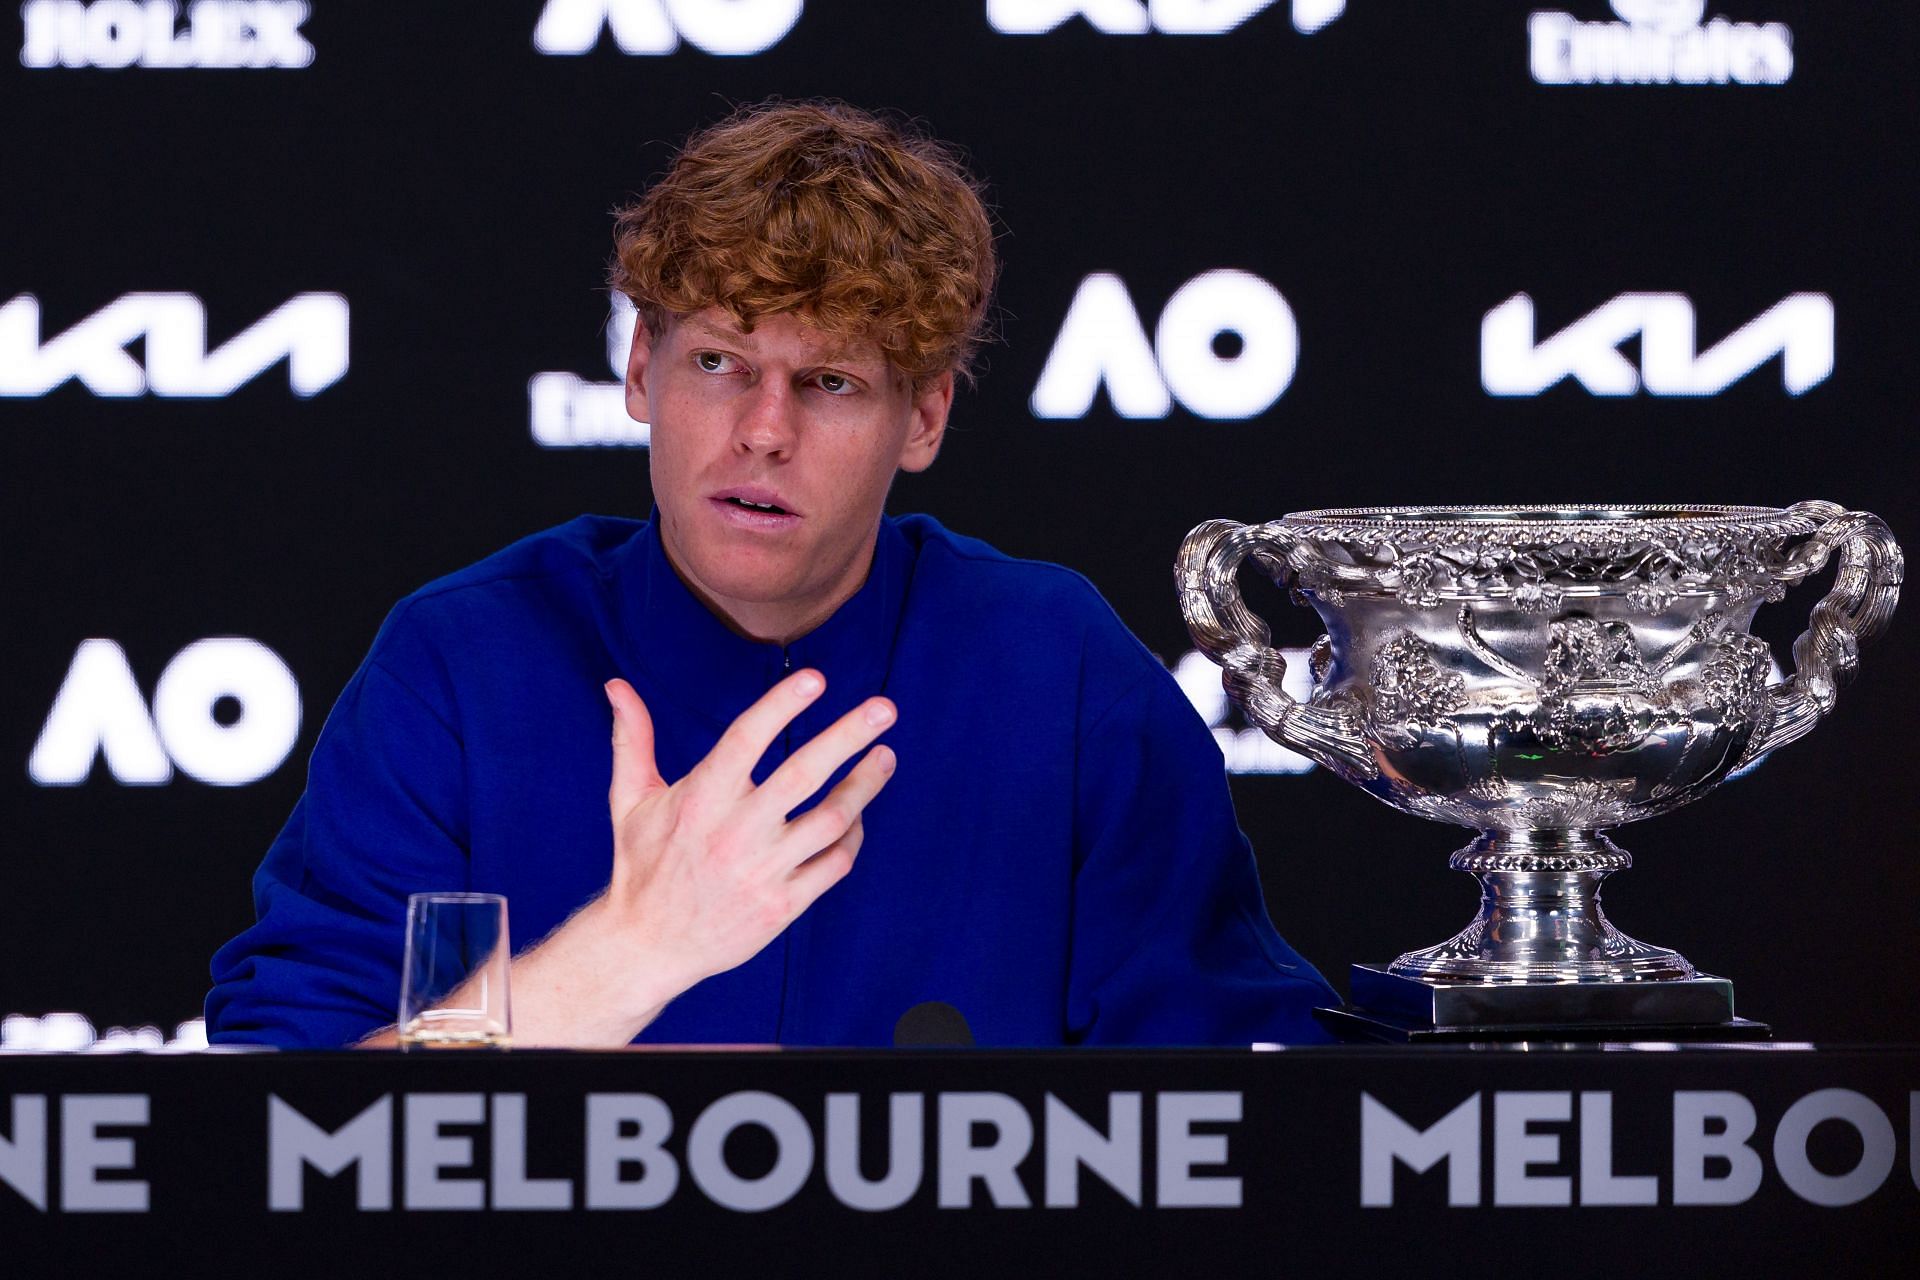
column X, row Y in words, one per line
column 1386, row 1008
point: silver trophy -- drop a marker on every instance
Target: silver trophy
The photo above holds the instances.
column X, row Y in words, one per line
column 1540, row 675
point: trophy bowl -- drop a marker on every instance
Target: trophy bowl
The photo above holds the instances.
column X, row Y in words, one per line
column 1541, row 675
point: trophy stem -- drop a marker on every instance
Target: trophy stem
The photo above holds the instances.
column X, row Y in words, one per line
column 1540, row 918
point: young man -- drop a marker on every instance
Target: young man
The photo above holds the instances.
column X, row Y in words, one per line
column 1045, row 841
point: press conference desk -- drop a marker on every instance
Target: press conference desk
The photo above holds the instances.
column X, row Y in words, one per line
column 1540, row 1161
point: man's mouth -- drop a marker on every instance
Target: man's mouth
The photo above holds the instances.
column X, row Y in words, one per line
column 761, row 505
column 768, row 507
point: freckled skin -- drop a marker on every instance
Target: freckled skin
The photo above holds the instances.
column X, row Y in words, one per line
column 823, row 423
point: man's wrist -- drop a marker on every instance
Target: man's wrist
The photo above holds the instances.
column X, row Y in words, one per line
column 590, row 984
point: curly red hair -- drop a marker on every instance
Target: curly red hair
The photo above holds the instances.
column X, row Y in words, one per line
column 864, row 227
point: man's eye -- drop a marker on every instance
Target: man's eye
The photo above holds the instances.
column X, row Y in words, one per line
column 835, row 384
column 713, row 362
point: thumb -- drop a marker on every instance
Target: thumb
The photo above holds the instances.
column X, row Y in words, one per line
column 635, row 776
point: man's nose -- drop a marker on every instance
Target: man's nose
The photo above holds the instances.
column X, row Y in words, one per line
column 768, row 419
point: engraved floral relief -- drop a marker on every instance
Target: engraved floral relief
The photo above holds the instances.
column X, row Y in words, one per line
column 1410, row 691
column 1734, row 681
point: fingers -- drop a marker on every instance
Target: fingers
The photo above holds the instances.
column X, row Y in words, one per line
column 749, row 736
column 824, row 870
column 838, row 816
column 635, row 775
column 807, row 770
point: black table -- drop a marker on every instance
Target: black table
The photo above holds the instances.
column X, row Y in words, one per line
column 1523, row 1160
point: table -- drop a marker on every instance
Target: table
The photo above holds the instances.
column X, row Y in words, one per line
column 1536, row 1160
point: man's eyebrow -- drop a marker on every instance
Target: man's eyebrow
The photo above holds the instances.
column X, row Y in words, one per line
column 724, row 335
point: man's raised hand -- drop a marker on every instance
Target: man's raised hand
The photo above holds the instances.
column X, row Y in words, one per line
column 708, row 870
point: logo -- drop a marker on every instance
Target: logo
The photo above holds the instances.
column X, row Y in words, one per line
column 1798, row 328
column 121, row 33
column 731, row 27
column 1247, row 750
column 567, row 412
column 226, row 711
column 1225, row 347
column 959, row 1149
column 1712, row 1158
column 1657, row 42
column 309, row 332
column 66, row 1032
column 1136, row 17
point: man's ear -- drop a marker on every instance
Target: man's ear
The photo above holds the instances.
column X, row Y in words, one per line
column 639, row 359
column 928, row 424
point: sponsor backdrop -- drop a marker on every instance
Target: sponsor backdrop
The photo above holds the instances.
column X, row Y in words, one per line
column 301, row 306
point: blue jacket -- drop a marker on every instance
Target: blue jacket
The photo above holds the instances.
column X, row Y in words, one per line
column 1056, row 855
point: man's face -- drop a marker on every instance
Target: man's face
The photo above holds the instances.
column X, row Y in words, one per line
column 771, row 457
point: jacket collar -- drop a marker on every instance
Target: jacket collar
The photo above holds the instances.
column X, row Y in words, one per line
column 696, row 659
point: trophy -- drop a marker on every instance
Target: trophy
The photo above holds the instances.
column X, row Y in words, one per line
column 1540, row 675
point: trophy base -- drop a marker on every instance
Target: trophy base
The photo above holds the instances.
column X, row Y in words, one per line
column 1396, row 1010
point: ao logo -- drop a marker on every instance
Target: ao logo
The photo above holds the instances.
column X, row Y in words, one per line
column 568, row 412
column 1798, row 328
column 309, row 332
column 1103, row 341
column 569, row 27
column 1136, row 17
column 121, row 33
column 99, row 711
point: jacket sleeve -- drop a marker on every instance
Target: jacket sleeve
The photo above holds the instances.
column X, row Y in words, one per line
column 384, row 815
column 1172, row 944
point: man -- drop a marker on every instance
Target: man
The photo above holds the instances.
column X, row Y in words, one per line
column 1045, row 842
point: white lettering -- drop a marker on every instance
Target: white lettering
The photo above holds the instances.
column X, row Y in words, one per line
column 1516, row 1148
column 510, row 1187
column 1799, row 329
column 366, row 1142
column 1385, row 1138
column 84, row 1154
column 268, row 720
column 1102, row 342
column 566, row 412
column 121, row 33
column 1113, row 1155
column 728, row 27
column 1660, row 44
column 1181, row 1150
column 1213, row 305
column 1598, row 1182
column 1693, row 1147
column 610, row 1151
column 309, row 331
column 905, row 1152
column 994, row 1164
column 430, row 1151
column 793, row 1146
column 99, row 711
column 1135, row 17
column 23, row 1152
column 1846, row 1107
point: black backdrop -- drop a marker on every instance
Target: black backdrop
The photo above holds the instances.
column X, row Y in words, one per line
column 1394, row 175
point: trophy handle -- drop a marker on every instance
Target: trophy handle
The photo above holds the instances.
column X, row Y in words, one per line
column 1866, row 586
column 1227, row 631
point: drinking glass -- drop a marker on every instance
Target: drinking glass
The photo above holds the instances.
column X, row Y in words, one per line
column 453, row 987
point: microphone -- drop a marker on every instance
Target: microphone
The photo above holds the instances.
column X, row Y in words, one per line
column 932, row 1024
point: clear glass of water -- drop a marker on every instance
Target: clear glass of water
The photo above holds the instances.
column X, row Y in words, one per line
column 453, row 987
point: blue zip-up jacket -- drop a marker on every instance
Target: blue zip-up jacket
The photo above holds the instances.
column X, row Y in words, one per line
column 1056, row 855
